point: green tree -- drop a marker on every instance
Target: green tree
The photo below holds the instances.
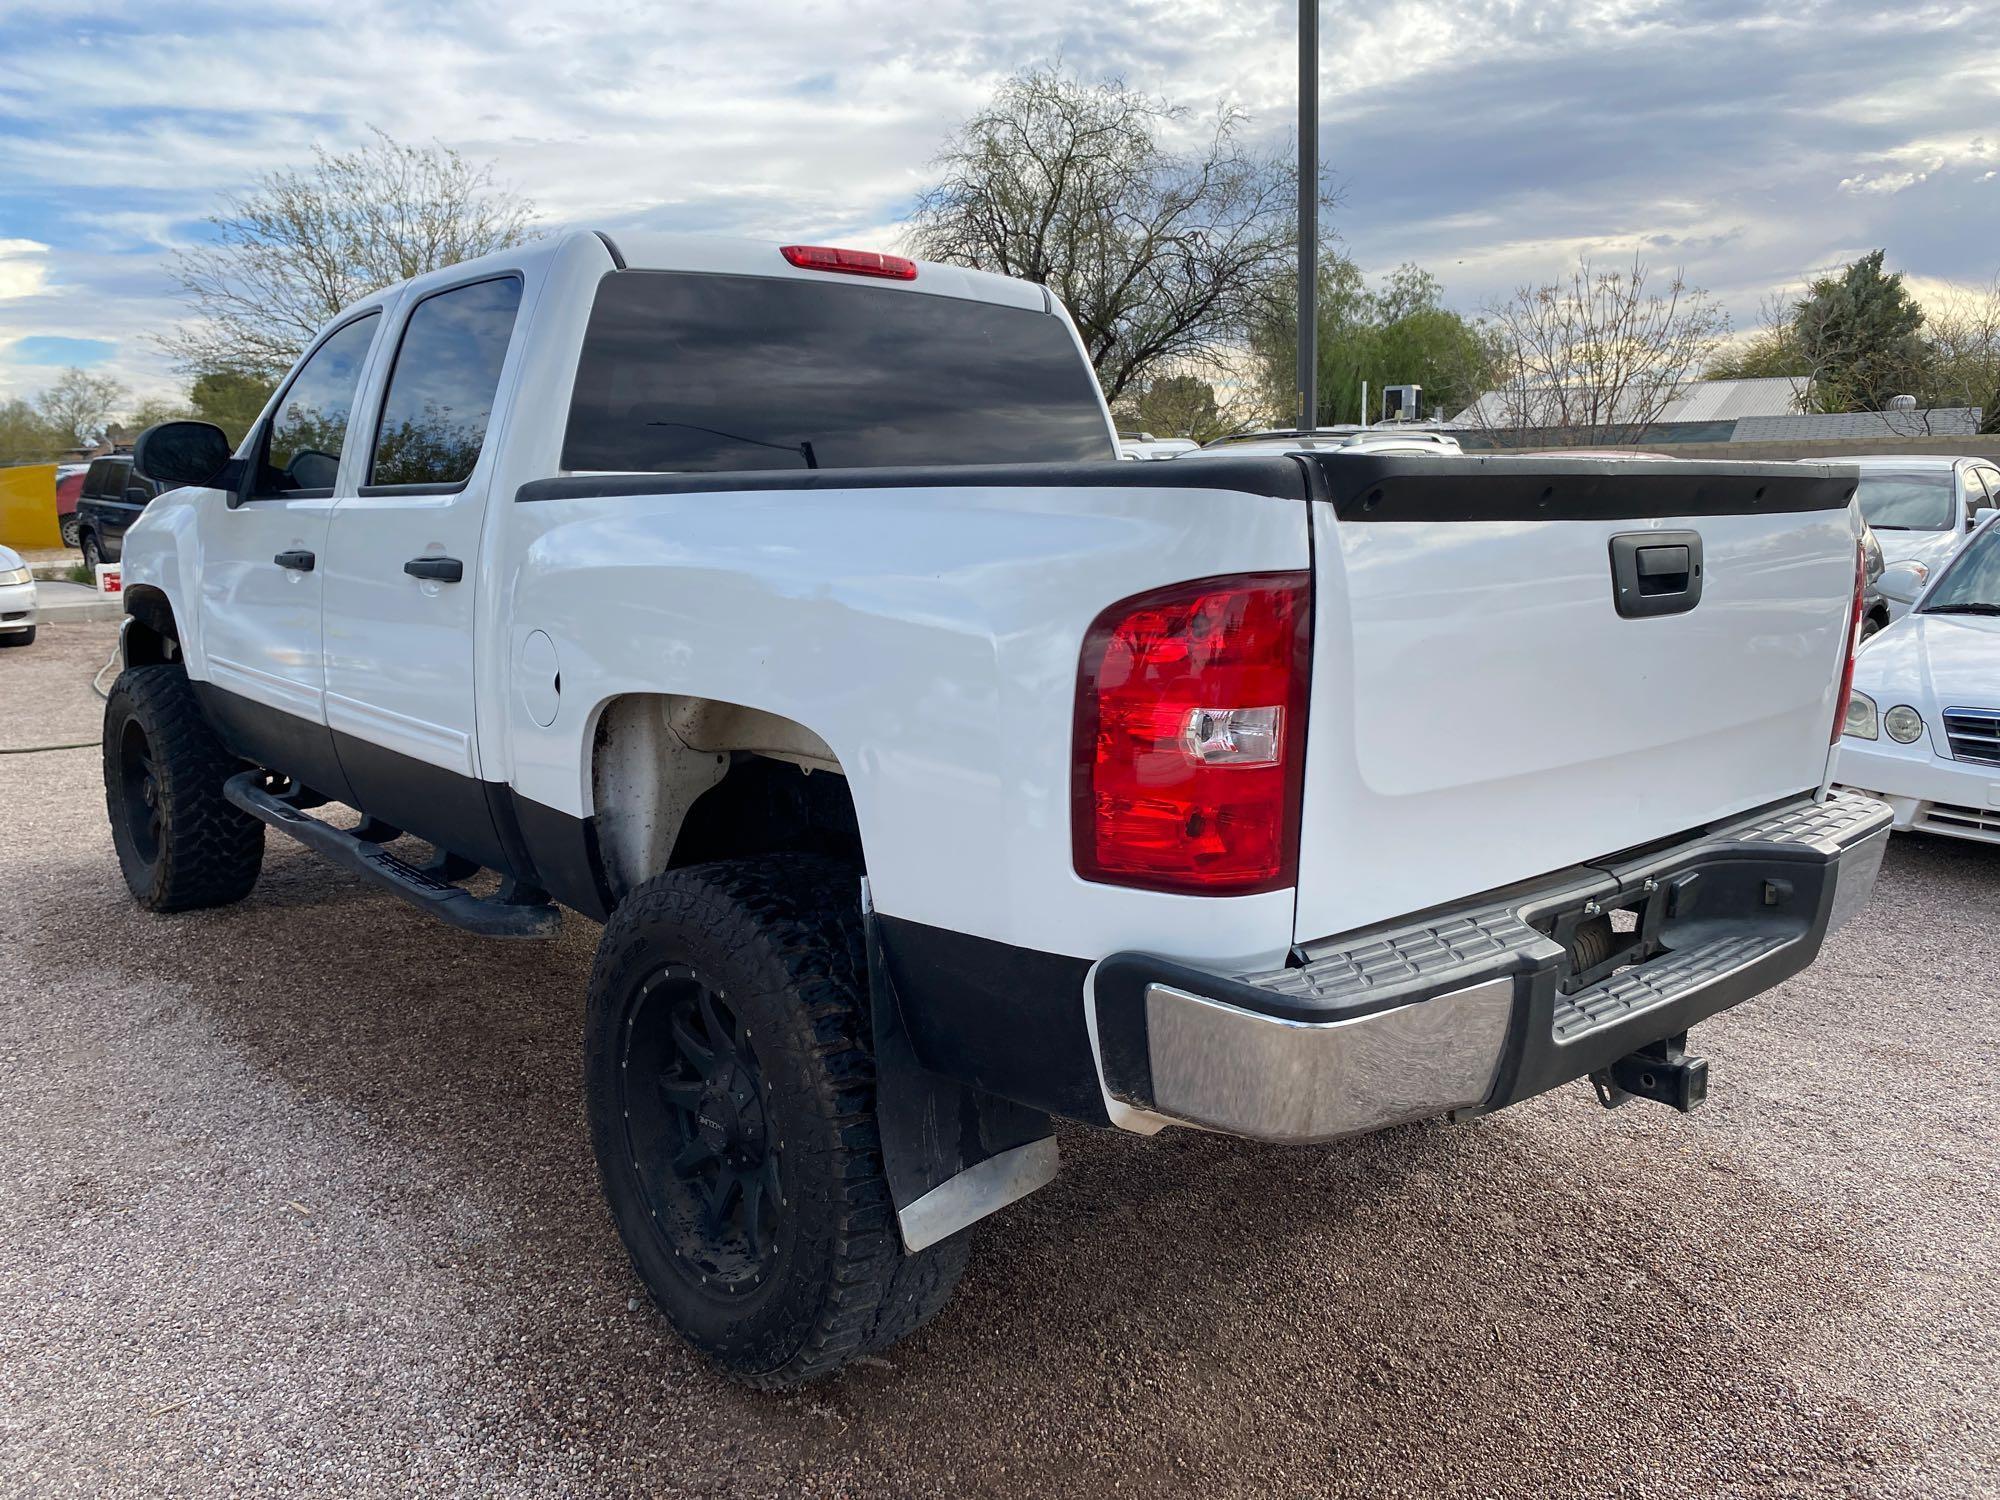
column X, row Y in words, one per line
column 1175, row 406
column 154, row 410
column 1399, row 333
column 1767, row 353
column 26, row 436
column 1861, row 333
column 231, row 399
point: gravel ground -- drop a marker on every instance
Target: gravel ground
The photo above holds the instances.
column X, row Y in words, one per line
column 296, row 1198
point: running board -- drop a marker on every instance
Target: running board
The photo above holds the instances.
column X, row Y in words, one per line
column 488, row 916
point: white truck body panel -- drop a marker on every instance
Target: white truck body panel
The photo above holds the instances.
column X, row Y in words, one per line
column 1482, row 716
column 930, row 637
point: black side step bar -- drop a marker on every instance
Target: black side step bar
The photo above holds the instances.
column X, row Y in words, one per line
column 488, row 916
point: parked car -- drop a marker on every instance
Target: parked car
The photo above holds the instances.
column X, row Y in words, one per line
column 69, row 487
column 17, row 600
column 1389, row 438
column 1922, row 506
column 1922, row 730
column 1144, row 445
column 926, row 792
column 114, row 495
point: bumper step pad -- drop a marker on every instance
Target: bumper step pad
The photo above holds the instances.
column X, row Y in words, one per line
column 1636, row 991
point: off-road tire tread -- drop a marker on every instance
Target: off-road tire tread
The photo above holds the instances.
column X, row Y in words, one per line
column 211, row 850
column 802, row 912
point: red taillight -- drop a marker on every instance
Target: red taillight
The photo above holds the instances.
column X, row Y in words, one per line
column 852, row 262
column 1853, row 641
column 1190, row 736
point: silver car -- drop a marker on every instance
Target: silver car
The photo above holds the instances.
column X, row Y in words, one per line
column 17, row 600
column 1922, row 506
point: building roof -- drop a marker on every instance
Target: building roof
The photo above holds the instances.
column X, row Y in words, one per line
column 1719, row 400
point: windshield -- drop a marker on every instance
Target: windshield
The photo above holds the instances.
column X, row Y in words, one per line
column 1908, row 501
column 1971, row 584
column 700, row 373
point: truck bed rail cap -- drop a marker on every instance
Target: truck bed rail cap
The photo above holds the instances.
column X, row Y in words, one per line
column 1279, row 476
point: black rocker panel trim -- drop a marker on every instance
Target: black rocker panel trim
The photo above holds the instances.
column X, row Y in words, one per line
column 1003, row 1019
column 277, row 741
column 1276, row 475
column 439, row 806
column 482, row 820
column 1384, row 487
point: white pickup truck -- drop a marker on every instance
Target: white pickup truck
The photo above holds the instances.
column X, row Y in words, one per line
column 934, row 774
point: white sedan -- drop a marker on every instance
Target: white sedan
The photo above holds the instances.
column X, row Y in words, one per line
column 17, row 600
column 1922, row 730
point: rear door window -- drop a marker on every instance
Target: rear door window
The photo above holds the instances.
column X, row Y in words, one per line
column 441, row 391
column 703, row 373
column 97, row 480
column 301, row 449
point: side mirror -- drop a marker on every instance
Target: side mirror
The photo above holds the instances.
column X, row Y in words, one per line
column 1902, row 582
column 181, row 452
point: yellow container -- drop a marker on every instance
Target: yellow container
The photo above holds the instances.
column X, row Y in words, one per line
column 28, row 506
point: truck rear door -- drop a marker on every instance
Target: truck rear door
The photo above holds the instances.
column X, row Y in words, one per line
column 1524, row 664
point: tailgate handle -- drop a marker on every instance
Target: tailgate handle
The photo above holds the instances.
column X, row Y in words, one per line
column 1655, row 572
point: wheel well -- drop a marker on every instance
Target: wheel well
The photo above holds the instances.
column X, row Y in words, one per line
column 678, row 780
column 152, row 637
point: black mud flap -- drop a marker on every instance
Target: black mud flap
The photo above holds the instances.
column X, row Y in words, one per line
column 953, row 1154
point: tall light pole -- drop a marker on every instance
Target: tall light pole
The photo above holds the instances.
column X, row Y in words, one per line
column 1308, row 215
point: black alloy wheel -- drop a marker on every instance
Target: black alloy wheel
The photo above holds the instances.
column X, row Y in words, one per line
column 702, row 1142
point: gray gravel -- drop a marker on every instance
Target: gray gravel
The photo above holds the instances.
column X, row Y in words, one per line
column 296, row 1198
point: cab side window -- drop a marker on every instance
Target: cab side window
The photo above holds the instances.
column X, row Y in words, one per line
column 97, row 480
column 441, row 390
column 301, row 448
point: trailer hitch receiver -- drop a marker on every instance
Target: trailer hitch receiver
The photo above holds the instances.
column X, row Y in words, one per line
column 1664, row 1071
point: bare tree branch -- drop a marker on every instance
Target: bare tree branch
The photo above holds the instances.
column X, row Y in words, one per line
column 1159, row 255
column 1597, row 355
column 308, row 242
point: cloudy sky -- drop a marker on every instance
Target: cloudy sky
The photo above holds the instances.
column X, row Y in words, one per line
column 1488, row 140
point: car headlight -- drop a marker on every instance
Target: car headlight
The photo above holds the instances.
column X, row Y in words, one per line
column 16, row 575
column 1861, row 721
column 1904, row 724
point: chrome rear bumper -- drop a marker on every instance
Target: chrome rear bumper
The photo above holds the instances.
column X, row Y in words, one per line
column 1473, row 1009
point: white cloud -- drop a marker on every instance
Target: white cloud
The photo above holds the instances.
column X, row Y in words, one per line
column 1488, row 139
column 23, row 271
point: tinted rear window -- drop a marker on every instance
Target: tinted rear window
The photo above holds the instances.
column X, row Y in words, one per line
column 701, row 373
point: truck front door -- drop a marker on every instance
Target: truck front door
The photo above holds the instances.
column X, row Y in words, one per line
column 402, row 575
column 261, row 569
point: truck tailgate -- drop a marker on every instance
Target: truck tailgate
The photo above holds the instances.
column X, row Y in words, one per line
column 1482, row 712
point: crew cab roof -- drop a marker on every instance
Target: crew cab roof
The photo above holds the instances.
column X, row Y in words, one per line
column 718, row 255
column 722, row 256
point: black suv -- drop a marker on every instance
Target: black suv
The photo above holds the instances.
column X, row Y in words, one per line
column 113, row 495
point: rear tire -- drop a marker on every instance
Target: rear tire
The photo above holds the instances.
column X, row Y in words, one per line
column 70, row 534
column 181, row 844
column 730, row 1083
column 92, row 553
